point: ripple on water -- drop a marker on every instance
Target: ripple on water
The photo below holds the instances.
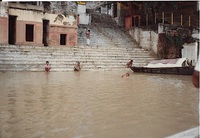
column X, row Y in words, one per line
column 96, row 104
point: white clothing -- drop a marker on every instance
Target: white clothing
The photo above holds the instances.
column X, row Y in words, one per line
column 197, row 65
column 88, row 41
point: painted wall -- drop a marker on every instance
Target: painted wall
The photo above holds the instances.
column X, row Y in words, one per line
column 3, row 23
column 128, row 22
column 28, row 17
column 83, row 17
column 104, row 9
column 190, row 51
column 60, row 19
column 59, row 24
column 3, row 30
column 54, row 35
column 68, row 25
column 21, row 33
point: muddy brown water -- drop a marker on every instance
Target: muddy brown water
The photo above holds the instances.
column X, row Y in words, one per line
column 95, row 104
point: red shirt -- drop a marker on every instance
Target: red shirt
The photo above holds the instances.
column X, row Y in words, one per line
column 88, row 34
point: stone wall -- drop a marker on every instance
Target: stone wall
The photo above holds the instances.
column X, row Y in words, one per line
column 168, row 42
column 4, row 23
column 190, row 51
column 165, row 49
column 84, row 18
column 146, row 39
column 54, row 35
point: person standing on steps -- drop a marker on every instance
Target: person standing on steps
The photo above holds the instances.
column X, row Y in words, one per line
column 88, row 37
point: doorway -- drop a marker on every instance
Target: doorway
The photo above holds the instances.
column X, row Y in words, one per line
column 29, row 32
column 12, row 29
column 63, row 39
column 45, row 32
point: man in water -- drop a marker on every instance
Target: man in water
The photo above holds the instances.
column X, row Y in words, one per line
column 47, row 66
column 125, row 75
column 77, row 67
column 129, row 64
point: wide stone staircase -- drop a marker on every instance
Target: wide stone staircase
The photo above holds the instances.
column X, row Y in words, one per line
column 111, row 48
column 105, row 33
column 33, row 58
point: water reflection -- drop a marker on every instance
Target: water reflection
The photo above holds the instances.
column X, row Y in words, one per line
column 95, row 104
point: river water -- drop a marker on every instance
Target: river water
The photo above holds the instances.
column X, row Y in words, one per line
column 95, row 104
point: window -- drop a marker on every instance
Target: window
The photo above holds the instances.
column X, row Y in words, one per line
column 29, row 32
column 63, row 39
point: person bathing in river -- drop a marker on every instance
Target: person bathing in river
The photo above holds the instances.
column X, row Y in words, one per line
column 125, row 75
column 77, row 66
column 195, row 76
column 129, row 64
column 47, row 66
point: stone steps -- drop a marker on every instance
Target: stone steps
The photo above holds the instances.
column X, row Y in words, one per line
column 111, row 48
column 33, row 58
column 57, row 62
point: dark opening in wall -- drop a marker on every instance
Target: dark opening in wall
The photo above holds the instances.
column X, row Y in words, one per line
column 63, row 39
column 29, row 32
column 115, row 10
column 12, row 29
column 45, row 32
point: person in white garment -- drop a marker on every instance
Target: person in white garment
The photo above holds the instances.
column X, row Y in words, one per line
column 88, row 37
column 195, row 77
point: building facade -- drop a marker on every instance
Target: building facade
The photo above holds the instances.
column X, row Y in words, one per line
column 27, row 24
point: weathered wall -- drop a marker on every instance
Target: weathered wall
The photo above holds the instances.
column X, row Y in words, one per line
column 54, row 35
column 3, row 23
column 154, row 42
column 59, row 19
column 166, row 46
column 83, row 17
column 21, row 33
column 146, row 39
column 59, row 24
column 190, row 51
column 4, row 30
column 28, row 17
column 128, row 22
column 121, row 12
column 104, row 9
column 35, row 17
column 167, row 50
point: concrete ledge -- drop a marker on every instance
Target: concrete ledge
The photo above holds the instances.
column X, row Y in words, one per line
column 26, row 6
column 190, row 133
